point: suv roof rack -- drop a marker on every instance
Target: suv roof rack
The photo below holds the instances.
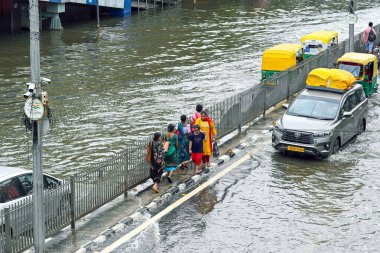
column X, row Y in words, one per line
column 322, row 88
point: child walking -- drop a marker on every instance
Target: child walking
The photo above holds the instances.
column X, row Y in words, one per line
column 196, row 139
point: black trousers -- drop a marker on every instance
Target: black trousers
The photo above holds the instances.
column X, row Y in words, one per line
column 155, row 172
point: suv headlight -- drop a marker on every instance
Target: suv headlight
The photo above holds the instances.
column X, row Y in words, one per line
column 322, row 134
column 278, row 128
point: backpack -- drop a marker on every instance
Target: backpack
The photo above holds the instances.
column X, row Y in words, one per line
column 149, row 153
column 371, row 36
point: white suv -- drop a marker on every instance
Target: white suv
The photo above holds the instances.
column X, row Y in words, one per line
column 319, row 122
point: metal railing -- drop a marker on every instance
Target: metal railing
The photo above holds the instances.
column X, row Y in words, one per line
column 84, row 192
column 231, row 113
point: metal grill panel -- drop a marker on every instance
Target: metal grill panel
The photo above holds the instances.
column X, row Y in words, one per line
column 298, row 137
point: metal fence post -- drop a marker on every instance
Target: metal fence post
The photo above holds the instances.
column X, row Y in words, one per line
column 72, row 202
column 288, row 86
column 240, row 114
column 8, row 231
column 328, row 51
column 126, row 174
column 265, row 100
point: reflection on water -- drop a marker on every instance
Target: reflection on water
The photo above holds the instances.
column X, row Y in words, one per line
column 321, row 183
column 142, row 72
column 205, row 201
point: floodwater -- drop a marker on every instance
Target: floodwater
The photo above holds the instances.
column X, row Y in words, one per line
column 142, row 72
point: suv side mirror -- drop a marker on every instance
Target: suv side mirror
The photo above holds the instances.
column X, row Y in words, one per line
column 347, row 115
column 285, row 106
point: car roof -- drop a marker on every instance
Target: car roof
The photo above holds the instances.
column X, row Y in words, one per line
column 330, row 94
column 9, row 172
column 324, row 94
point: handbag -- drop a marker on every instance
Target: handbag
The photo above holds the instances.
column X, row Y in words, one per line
column 149, row 153
column 215, row 149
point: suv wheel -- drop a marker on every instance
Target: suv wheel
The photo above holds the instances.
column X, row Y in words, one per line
column 361, row 127
column 336, row 147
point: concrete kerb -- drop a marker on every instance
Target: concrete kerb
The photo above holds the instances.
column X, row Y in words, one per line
column 152, row 206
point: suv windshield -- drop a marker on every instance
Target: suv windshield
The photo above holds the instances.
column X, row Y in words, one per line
column 353, row 68
column 314, row 107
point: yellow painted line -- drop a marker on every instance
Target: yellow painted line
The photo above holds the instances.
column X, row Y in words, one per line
column 176, row 204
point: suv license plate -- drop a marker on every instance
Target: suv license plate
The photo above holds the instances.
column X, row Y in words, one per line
column 296, row 149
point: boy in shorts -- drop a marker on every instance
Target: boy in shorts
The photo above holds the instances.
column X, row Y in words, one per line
column 196, row 139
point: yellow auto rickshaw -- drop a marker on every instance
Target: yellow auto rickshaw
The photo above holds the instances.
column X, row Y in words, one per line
column 279, row 58
column 314, row 43
column 363, row 67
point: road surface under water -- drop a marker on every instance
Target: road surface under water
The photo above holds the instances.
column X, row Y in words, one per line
column 276, row 203
column 142, row 72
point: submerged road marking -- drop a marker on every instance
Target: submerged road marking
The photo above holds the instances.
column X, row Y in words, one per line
column 176, row 204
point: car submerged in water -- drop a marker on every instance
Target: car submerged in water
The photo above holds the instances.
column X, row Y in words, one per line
column 330, row 112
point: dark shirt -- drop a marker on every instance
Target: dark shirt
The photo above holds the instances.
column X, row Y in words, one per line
column 197, row 140
column 157, row 152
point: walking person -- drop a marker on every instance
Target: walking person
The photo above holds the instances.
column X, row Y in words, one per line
column 197, row 114
column 369, row 37
column 196, row 139
column 208, row 127
column 183, row 131
column 170, row 153
column 156, row 160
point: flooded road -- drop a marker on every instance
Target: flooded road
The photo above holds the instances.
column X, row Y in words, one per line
column 142, row 72
column 277, row 203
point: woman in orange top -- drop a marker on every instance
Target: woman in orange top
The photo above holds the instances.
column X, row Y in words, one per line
column 208, row 127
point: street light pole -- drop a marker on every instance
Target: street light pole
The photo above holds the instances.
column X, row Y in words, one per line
column 38, row 205
column 351, row 27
